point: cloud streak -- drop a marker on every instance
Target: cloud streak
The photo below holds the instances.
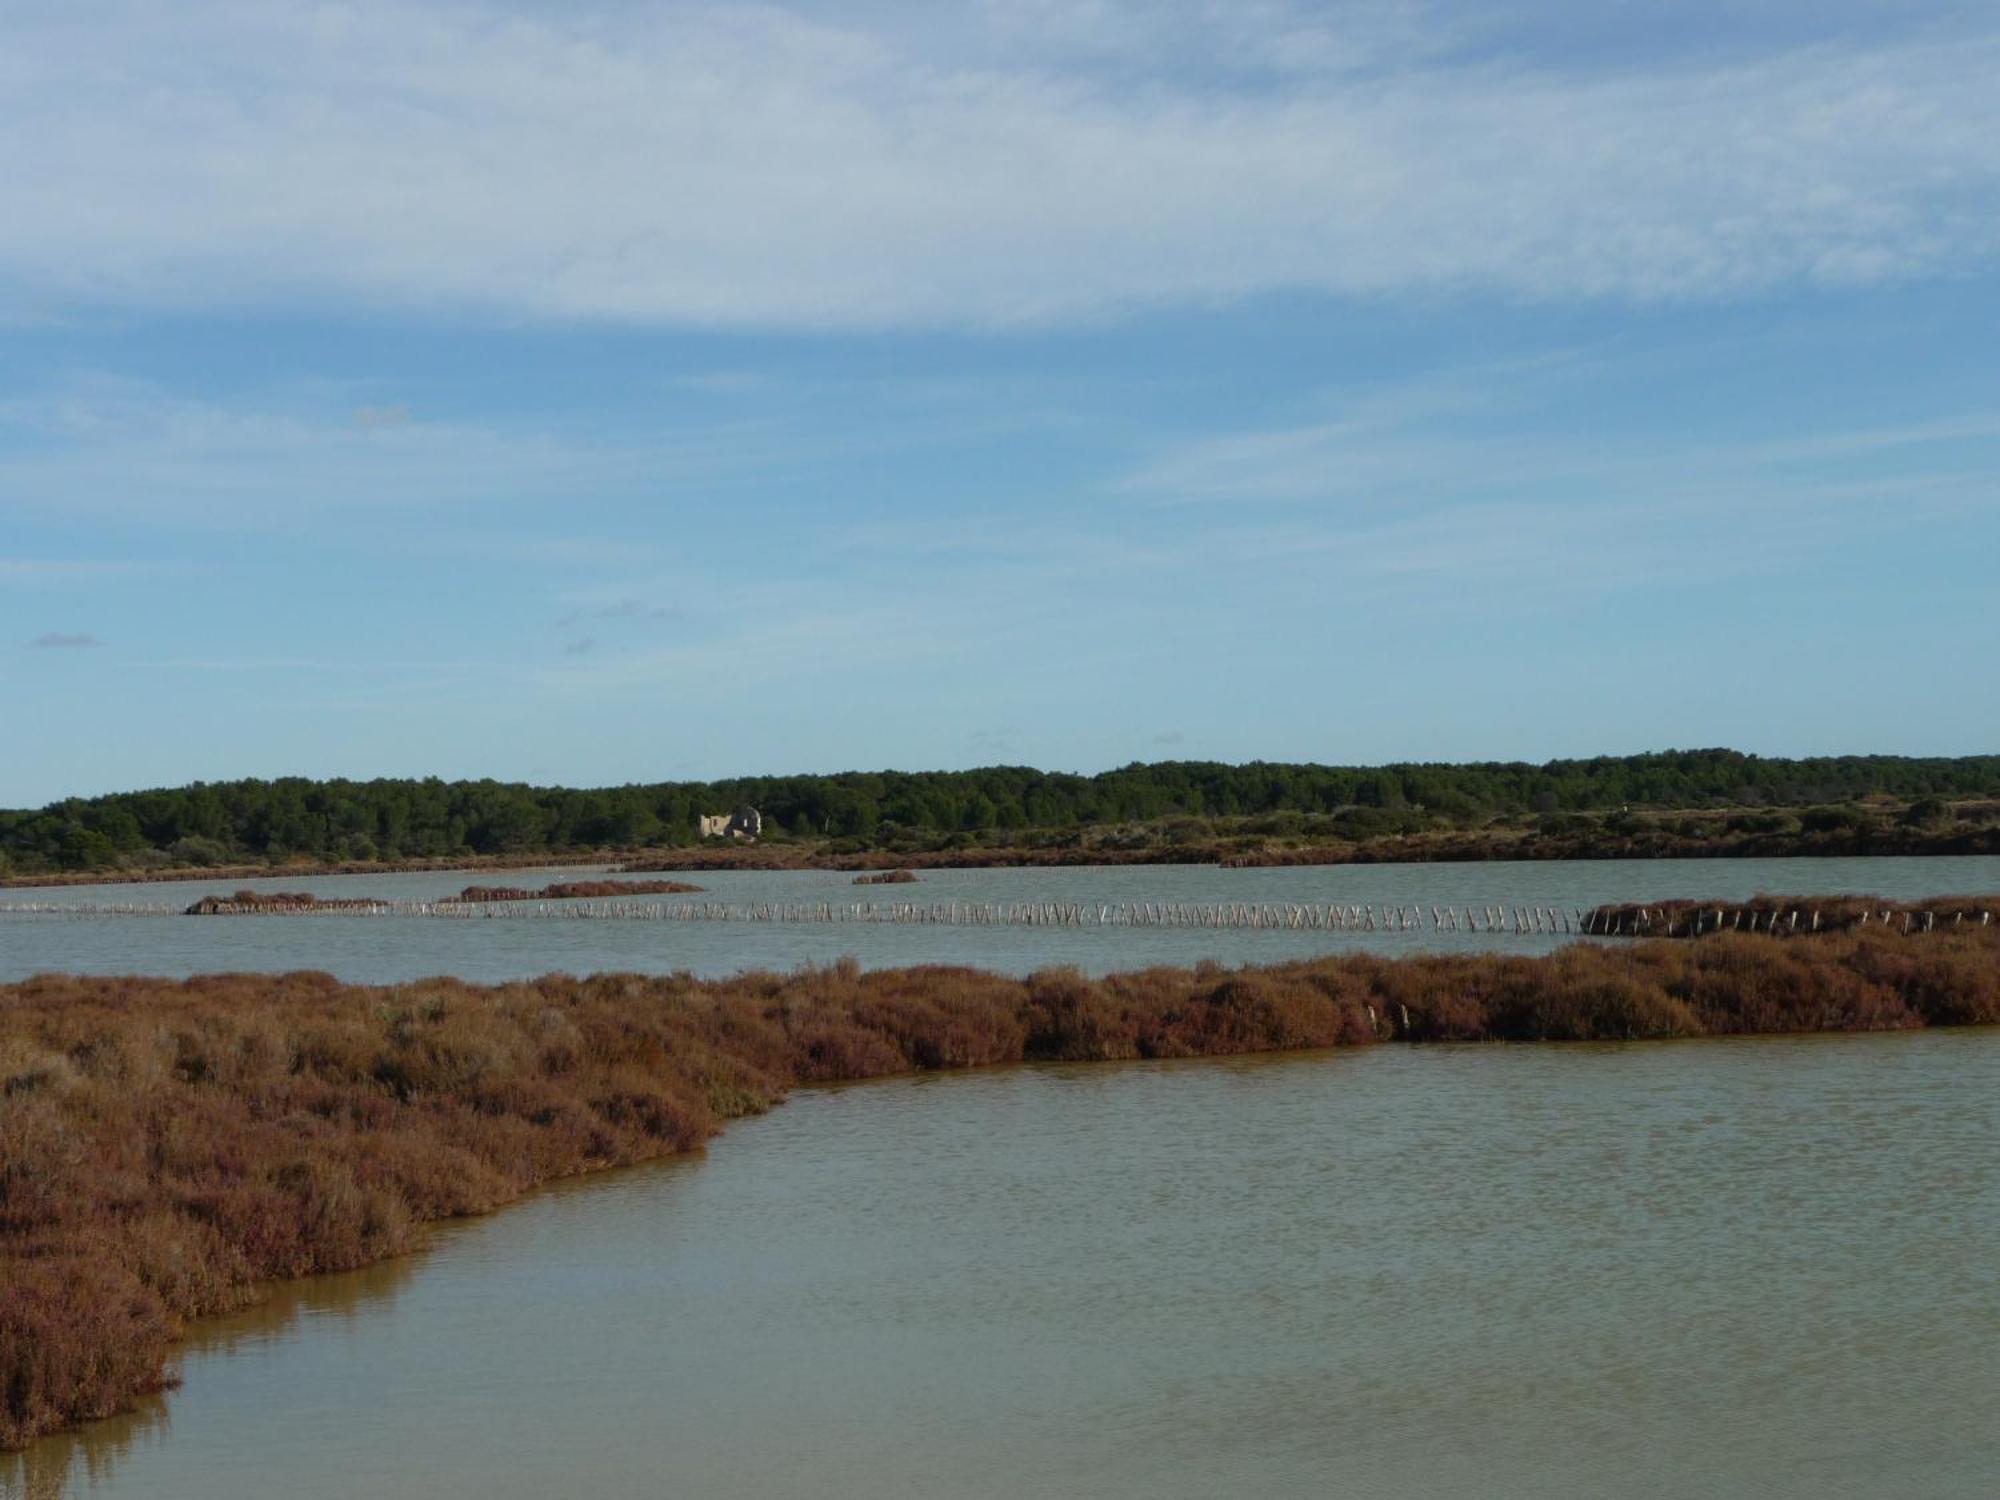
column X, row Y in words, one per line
column 104, row 444
column 734, row 165
column 60, row 640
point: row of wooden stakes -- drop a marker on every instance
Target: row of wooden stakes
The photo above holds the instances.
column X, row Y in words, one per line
column 1228, row 914
column 1526, row 921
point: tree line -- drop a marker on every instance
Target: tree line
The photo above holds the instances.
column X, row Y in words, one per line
column 298, row 818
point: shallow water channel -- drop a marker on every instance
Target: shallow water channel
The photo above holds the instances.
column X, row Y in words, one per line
column 396, row 948
column 1689, row 1269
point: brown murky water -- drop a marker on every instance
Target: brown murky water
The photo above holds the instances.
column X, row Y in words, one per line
column 1745, row 1268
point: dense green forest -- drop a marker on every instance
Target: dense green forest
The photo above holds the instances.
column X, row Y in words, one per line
column 294, row 818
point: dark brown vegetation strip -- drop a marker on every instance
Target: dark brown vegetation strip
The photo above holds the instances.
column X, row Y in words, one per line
column 1657, row 838
column 165, row 1146
column 565, row 890
column 1791, row 916
column 1182, row 841
column 250, row 903
column 298, row 869
column 243, row 902
column 1650, row 841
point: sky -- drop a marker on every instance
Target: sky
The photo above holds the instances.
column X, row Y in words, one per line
column 630, row 392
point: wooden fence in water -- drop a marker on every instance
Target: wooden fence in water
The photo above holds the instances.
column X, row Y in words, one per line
column 1274, row 916
column 1511, row 920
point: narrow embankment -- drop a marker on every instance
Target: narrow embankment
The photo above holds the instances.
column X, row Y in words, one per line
column 305, row 903
column 1790, row 916
column 572, row 890
column 167, row 1146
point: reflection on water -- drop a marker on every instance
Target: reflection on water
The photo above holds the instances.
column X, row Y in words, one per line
column 94, row 1457
column 390, row 949
column 1657, row 1270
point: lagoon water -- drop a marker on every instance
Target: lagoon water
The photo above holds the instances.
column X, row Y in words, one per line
column 1660, row 1270
column 393, row 949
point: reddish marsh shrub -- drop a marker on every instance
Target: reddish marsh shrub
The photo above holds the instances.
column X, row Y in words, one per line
column 1070, row 1020
column 79, row 1338
column 1581, row 1001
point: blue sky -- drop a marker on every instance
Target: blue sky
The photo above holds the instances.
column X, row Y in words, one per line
column 630, row 392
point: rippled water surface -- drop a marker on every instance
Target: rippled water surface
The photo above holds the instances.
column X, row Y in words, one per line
column 1744, row 1268
column 383, row 949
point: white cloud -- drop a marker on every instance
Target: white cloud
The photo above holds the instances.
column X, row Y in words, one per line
column 738, row 164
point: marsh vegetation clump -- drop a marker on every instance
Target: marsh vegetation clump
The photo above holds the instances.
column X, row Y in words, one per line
column 248, row 902
column 573, row 890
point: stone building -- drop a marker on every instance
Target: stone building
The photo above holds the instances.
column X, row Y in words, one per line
column 744, row 823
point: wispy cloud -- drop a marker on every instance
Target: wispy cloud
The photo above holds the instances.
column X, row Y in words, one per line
column 1472, row 492
column 61, row 640
column 615, row 608
column 105, row 443
column 761, row 630
column 109, row 444
column 1497, row 434
column 1038, row 162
